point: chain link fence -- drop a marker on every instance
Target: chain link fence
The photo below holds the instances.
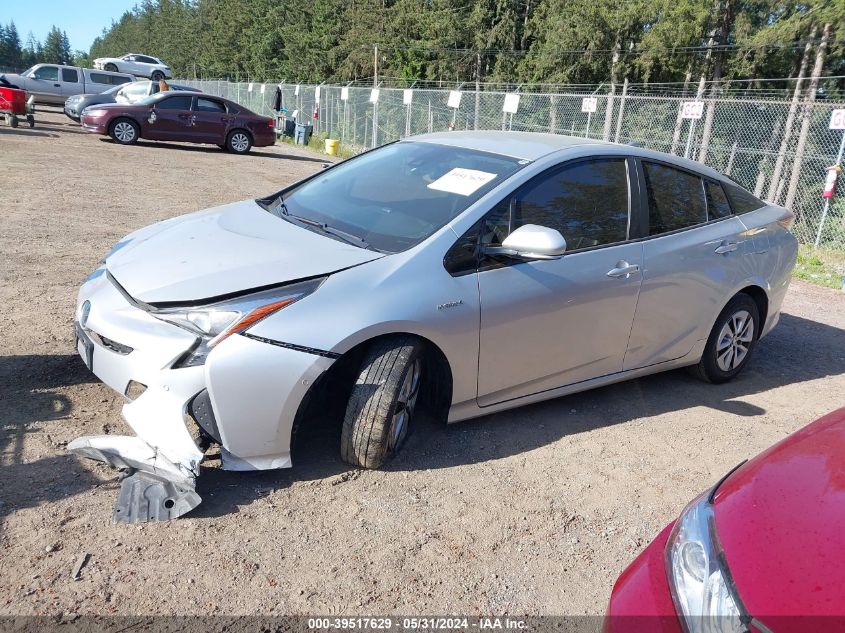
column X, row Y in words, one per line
column 779, row 149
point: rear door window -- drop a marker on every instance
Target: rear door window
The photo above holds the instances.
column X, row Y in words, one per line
column 675, row 198
column 741, row 200
column 175, row 103
column 717, row 202
column 70, row 75
column 209, row 105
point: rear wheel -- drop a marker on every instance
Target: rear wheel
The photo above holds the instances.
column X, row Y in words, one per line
column 382, row 403
column 238, row 142
column 731, row 341
column 111, row 67
column 124, row 131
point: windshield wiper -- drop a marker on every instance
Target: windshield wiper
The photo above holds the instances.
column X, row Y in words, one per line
column 349, row 238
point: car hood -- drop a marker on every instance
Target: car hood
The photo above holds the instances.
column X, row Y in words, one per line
column 780, row 521
column 223, row 251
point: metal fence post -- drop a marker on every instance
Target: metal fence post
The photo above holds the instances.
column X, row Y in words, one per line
column 621, row 110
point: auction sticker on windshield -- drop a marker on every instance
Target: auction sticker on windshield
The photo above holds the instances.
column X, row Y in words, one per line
column 463, row 182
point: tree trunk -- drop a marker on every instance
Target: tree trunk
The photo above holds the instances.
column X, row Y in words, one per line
column 608, row 111
column 806, row 119
column 790, row 118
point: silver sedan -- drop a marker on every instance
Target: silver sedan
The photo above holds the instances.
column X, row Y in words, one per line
column 468, row 272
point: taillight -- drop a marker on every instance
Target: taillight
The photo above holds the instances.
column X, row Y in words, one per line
column 271, row 123
column 787, row 219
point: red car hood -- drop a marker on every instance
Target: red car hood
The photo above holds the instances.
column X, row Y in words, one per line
column 781, row 522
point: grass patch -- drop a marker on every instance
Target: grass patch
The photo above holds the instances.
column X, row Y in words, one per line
column 317, row 142
column 821, row 266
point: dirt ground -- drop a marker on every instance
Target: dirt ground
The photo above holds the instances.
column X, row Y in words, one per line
column 532, row 511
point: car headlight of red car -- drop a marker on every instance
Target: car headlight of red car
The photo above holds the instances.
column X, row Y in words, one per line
column 702, row 588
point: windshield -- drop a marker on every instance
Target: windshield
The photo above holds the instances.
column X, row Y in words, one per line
column 394, row 197
column 27, row 71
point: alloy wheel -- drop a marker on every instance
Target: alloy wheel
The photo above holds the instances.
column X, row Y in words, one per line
column 405, row 403
column 734, row 340
column 239, row 142
column 124, row 132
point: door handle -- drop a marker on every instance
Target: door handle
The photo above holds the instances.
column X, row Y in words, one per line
column 726, row 247
column 623, row 270
column 57, row 85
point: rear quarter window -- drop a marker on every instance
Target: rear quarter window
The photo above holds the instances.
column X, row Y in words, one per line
column 741, row 200
column 69, row 75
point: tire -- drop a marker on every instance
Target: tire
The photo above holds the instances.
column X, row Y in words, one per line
column 110, row 67
column 124, row 131
column 239, row 142
column 731, row 341
column 382, row 402
column 13, row 121
column 157, row 75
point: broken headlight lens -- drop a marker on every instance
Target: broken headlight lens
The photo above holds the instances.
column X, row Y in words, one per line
column 215, row 322
column 699, row 580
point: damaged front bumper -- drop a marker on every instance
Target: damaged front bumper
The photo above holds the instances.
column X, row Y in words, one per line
column 245, row 397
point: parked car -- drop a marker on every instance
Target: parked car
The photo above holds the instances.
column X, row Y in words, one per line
column 760, row 551
column 53, row 83
column 137, row 64
column 128, row 93
column 485, row 270
column 169, row 116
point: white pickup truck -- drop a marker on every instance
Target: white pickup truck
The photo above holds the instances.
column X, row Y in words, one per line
column 53, row 83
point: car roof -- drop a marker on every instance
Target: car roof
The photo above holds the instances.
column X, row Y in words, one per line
column 524, row 145
column 534, row 145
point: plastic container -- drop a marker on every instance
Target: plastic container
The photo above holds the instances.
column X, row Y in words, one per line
column 332, row 146
column 302, row 135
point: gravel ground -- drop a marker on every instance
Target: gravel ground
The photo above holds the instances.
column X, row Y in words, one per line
column 532, row 511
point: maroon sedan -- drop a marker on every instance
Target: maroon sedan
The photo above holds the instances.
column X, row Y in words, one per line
column 763, row 550
column 177, row 116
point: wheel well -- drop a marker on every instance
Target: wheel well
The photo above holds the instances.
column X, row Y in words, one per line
column 325, row 402
column 761, row 299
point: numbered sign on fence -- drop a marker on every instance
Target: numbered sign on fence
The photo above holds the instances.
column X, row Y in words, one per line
column 692, row 109
column 407, row 96
column 454, row 99
column 317, row 94
column 374, row 93
column 511, row 104
column 837, row 120
column 263, row 88
column 589, row 104
column 344, row 94
column 296, row 90
column 249, row 87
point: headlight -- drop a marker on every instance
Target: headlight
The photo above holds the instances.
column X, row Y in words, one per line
column 214, row 323
column 699, row 580
column 94, row 111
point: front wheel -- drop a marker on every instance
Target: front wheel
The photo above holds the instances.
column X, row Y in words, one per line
column 110, row 67
column 157, row 75
column 731, row 341
column 382, row 403
column 238, row 142
column 124, row 131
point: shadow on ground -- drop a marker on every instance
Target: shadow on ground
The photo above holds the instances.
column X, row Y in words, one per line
column 31, row 402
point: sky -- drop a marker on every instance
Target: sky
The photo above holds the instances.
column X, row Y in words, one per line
column 83, row 21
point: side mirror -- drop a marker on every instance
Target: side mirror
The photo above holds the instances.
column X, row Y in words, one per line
column 531, row 241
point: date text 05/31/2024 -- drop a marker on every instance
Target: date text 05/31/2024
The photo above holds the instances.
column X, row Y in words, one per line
column 418, row 623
